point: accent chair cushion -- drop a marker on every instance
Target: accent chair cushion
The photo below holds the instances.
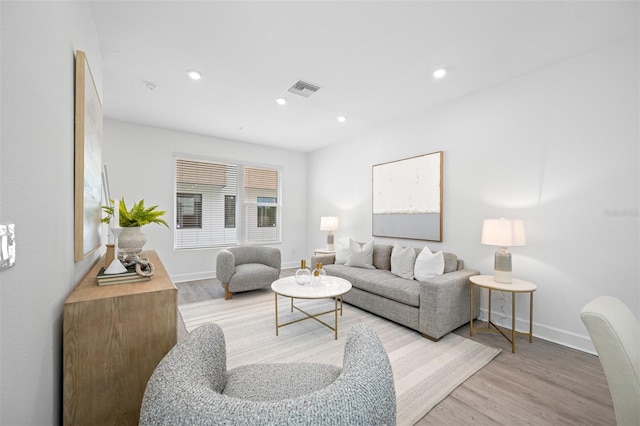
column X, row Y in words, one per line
column 274, row 382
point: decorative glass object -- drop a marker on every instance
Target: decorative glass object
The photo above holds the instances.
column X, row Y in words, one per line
column 319, row 274
column 303, row 275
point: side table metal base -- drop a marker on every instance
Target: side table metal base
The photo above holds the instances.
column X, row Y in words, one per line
column 510, row 335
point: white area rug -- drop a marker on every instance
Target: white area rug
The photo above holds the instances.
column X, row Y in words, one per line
column 425, row 372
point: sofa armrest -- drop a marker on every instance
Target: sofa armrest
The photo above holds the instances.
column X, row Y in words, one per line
column 225, row 266
column 325, row 259
column 444, row 302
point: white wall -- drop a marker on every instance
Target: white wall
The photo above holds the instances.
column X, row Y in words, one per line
column 140, row 160
column 557, row 148
column 36, row 193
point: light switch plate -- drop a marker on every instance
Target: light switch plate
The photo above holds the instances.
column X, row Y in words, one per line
column 7, row 246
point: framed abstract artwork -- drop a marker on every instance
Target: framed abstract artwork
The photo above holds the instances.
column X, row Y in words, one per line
column 407, row 198
column 88, row 161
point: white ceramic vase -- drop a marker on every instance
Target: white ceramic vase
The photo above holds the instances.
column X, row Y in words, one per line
column 130, row 242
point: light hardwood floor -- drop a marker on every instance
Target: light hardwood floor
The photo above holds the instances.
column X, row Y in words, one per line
column 543, row 383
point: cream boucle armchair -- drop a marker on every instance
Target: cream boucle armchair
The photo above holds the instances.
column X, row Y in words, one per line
column 247, row 268
column 191, row 386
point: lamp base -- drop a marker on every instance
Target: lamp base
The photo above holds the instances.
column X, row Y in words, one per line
column 330, row 246
column 503, row 277
column 502, row 266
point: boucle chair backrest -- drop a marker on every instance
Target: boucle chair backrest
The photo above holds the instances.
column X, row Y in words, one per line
column 257, row 254
column 185, row 388
column 615, row 333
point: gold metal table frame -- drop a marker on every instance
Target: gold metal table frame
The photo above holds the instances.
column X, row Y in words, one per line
column 333, row 288
column 335, row 310
column 518, row 286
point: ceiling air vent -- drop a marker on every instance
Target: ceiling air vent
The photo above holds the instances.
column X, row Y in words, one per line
column 302, row 88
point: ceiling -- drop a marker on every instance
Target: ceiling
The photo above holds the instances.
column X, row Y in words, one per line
column 372, row 59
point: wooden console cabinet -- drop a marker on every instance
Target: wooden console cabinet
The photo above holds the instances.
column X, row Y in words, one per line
column 114, row 336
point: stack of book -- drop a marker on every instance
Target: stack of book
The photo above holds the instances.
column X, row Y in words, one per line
column 130, row 276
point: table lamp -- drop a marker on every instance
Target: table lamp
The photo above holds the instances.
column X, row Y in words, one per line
column 503, row 233
column 330, row 224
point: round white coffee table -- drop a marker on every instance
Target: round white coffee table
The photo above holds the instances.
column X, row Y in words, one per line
column 330, row 287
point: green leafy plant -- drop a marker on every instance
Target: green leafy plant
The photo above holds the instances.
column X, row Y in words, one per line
column 139, row 215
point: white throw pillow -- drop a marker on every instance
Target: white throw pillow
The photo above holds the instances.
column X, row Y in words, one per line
column 360, row 255
column 428, row 265
column 342, row 251
column 403, row 260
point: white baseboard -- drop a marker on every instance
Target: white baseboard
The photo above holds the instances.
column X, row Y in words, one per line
column 541, row 331
column 206, row 275
column 180, row 278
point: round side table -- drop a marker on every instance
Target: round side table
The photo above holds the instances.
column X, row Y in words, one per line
column 517, row 286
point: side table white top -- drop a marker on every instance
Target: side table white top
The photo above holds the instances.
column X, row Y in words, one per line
column 517, row 286
column 330, row 287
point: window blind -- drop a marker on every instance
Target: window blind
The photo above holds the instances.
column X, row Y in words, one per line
column 211, row 183
column 224, row 204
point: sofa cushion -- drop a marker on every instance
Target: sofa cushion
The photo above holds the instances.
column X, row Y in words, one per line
column 382, row 256
column 380, row 282
column 428, row 265
column 403, row 260
column 450, row 262
column 360, row 254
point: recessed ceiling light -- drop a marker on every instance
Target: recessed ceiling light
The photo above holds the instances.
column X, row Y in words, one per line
column 194, row 75
column 341, row 118
column 439, row 73
column 281, row 101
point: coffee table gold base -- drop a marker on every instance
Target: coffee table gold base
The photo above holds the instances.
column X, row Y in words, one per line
column 307, row 316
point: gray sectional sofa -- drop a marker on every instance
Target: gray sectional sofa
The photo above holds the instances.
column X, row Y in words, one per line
column 434, row 307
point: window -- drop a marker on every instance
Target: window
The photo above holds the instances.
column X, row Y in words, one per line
column 220, row 204
column 267, row 209
column 229, row 211
column 188, row 210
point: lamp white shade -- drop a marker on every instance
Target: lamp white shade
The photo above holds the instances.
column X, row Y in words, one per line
column 503, row 232
column 329, row 223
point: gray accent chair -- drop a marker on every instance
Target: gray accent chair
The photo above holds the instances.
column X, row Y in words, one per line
column 191, row 386
column 247, row 268
column 615, row 333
